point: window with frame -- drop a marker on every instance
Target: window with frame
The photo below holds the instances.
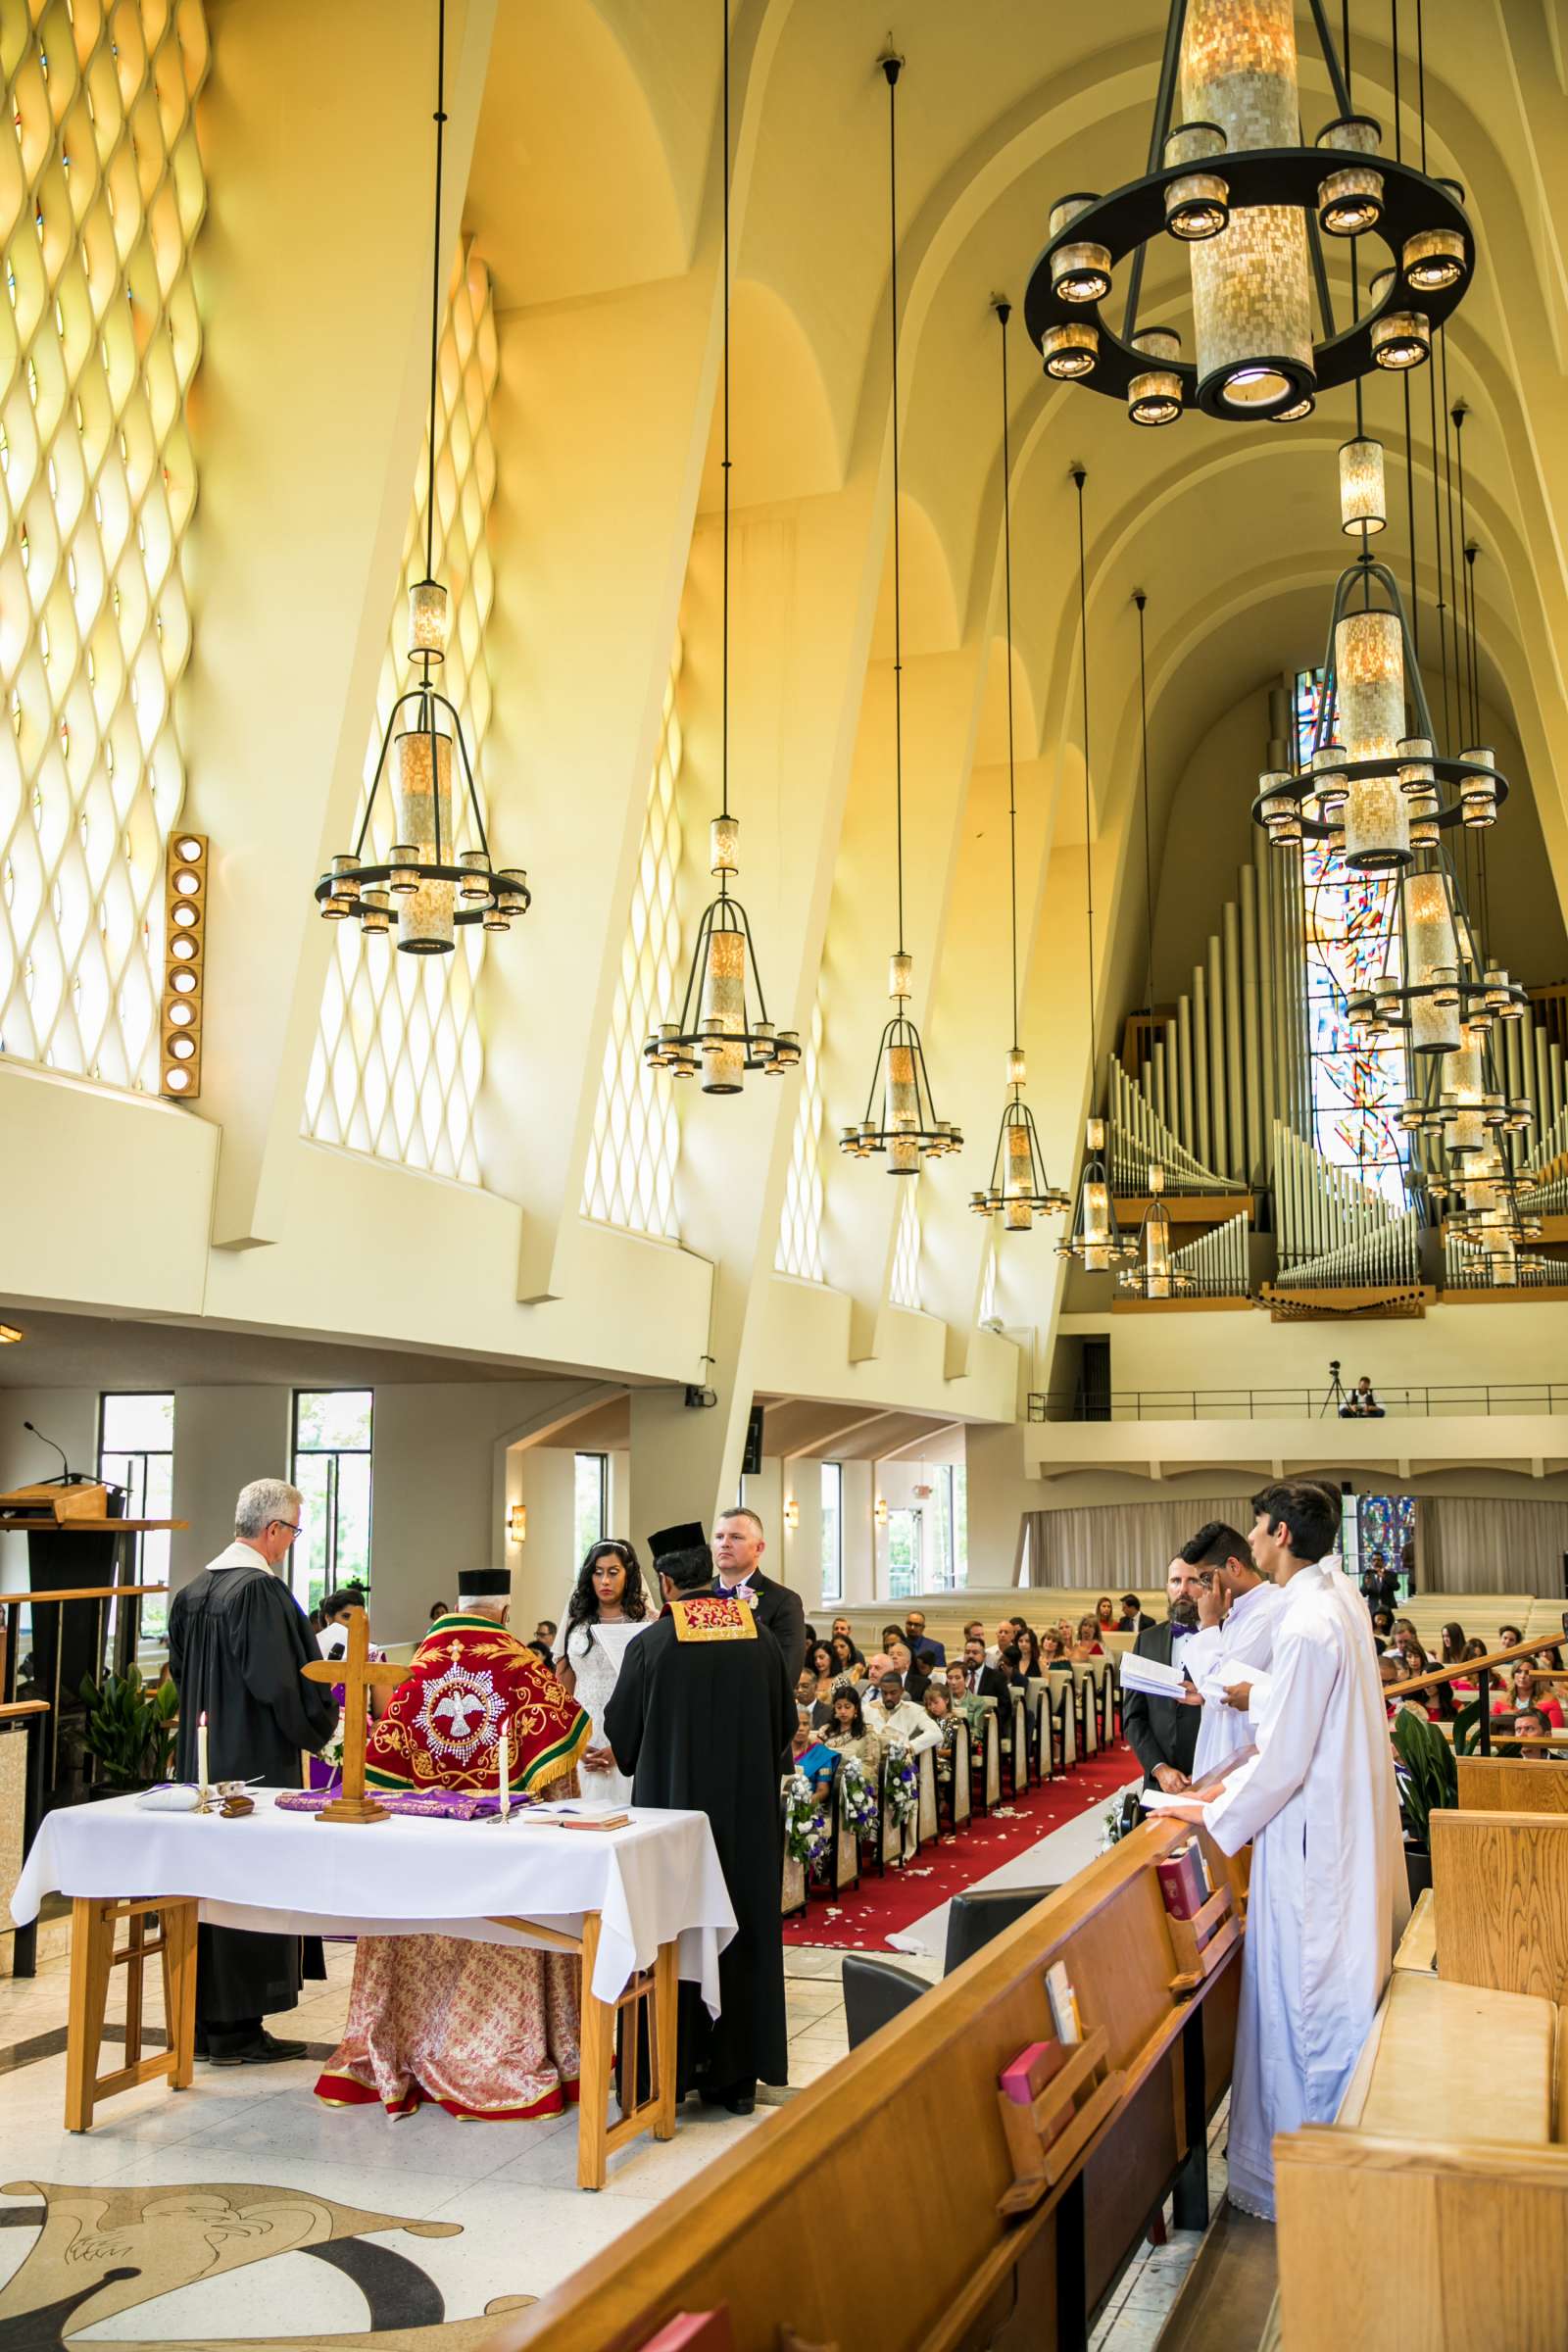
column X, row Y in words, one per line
column 136, row 1452
column 590, row 1501
column 832, row 1531
column 904, row 1553
column 332, row 1471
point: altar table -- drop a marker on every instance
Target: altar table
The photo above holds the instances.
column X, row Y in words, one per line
column 642, row 1905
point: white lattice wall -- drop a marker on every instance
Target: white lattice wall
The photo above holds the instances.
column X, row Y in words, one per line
column 799, row 1233
column 101, row 198
column 399, row 1057
column 904, row 1289
column 635, row 1148
column 988, row 1282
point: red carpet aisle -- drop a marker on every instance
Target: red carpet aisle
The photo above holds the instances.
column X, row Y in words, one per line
column 885, row 1906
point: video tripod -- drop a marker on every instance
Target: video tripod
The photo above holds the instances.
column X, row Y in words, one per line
column 1335, row 1400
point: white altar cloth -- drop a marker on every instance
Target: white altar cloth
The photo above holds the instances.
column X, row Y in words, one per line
column 658, row 1881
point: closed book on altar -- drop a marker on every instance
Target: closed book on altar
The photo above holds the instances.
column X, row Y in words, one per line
column 1181, row 1882
column 1027, row 2076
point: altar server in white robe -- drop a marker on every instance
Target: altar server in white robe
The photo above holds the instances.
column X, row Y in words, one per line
column 1318, row 1802
column 1228, row 1658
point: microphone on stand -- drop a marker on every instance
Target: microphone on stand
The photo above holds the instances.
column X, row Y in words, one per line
column 69, row 1478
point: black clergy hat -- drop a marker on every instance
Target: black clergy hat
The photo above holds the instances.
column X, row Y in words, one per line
column 691, row 1536
column 485, row 1583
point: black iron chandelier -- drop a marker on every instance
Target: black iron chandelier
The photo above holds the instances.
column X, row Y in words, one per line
column 1019, row 1189
column 717, row 1031
column 901, row 1118
column 1233, row 183
column 435, row 885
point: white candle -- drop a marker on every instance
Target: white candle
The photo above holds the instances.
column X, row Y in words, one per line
column 504, row 1773
column 200, row 1751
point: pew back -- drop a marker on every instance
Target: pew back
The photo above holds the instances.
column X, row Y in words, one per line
column 1512, row 1784
column 1500, row 1888
column 796, row 2229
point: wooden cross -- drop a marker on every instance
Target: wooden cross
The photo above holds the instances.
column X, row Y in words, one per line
column 357, row 1673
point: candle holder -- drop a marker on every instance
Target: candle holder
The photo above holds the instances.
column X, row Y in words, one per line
column 204, row 1797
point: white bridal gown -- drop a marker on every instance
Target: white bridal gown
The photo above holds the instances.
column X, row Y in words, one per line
column 594, row 1653
column 1328, row 1890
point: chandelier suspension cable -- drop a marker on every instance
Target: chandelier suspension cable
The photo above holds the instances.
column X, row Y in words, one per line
column 1141, row 600
column 435, row 286
column 1355, row 290
column 1079, row 478
column 891, row 66
column 724, row 755
column 1004, row 310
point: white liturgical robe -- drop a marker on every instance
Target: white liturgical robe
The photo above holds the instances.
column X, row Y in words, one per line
column 1238, row 1649
column 1328, row 1892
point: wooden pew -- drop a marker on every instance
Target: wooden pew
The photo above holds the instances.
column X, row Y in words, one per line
column 1512, row 1784
column 793, row 2230
column 1499, row 1894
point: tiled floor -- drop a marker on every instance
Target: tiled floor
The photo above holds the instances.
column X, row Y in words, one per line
column 502, row 2198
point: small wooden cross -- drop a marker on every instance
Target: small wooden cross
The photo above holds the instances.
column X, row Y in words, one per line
column 357, row 1673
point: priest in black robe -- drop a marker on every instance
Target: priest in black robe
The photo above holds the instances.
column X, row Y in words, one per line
column 702, row 1718
column 238, row 1641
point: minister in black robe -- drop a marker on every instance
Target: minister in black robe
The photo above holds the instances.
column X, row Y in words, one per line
column 702, row 1718
column 237, row 1640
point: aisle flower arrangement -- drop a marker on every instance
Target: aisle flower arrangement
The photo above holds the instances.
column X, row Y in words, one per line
column 805, row 1837
column 902, row 1782
column 857, row 1798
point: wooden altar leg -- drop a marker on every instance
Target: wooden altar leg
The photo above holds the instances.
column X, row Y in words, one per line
column 92, row 1946
column 597, row 2051
column 179, row 1990
column 666, row 2014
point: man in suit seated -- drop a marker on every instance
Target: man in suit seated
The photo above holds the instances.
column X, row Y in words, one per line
column 980, row 1680
column 738, row 1545
column 924, row 1646
column 1163, row 1732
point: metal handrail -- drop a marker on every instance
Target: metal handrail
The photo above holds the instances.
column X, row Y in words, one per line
column 1481, row 1668
column 1423, row 1401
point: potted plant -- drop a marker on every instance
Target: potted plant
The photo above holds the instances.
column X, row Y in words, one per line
column 130, row 1728
column 1427, row 1777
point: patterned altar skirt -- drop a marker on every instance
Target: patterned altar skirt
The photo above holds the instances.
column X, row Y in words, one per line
column 489, row 2032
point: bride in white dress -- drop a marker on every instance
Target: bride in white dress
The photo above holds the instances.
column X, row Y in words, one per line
column 608, row 1610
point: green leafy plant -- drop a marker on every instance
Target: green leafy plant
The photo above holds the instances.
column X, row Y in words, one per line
column 129, row 1727
column 1426, row 1774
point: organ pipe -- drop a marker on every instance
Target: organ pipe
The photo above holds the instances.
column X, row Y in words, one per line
column 1241, row 1162
column 1218, row 1123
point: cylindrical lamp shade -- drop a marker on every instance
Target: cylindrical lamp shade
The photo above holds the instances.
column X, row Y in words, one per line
column 1478, row 794
column 1363, row 502
column 427, row 620
column 1369, row 674
column 422, row 809
column 1433, row 259
column 1402, row 339
column 1154, row 396
column 722, row 1018
column 1157, row 1251
column 1072, row 349
column 1252, row 303
column 1350, row 200
column 903, row 1110
column 901, row 975
column 1017, row 1066
column 1018, row 1179
column 1079, row 271
column 1463, row 1090
column 723, row 845
column 1198, row 205
column 1433, row 963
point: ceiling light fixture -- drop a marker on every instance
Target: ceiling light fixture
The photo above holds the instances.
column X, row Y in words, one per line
column 901, row 1117
column 1251, row 204
column 715, row 1031
column 1021, row 1188
column 10, row 1336
column 434, row 884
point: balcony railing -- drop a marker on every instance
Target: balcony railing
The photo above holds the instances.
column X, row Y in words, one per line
column 1537, row 1398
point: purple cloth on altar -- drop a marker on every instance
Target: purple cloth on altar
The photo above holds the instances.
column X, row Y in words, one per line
column 440, row 1805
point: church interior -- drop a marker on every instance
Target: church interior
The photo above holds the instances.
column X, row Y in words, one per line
column 811, row 649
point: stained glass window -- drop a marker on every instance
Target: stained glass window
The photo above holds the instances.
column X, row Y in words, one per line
column 1377, row 1529
column 1351, row 939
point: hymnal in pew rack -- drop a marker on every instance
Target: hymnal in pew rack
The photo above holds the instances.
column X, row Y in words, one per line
column 1046, row 2137
column 1200, row 1943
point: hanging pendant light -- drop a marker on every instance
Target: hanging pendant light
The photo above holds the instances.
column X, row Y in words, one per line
column 428, row 881
column 1096, row 1240
column 901, row 1117
column 718, row 1033
column 1019, row 1189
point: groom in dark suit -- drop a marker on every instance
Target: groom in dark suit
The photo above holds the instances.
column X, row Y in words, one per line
column 738, row 1545
column 1163, row 1732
